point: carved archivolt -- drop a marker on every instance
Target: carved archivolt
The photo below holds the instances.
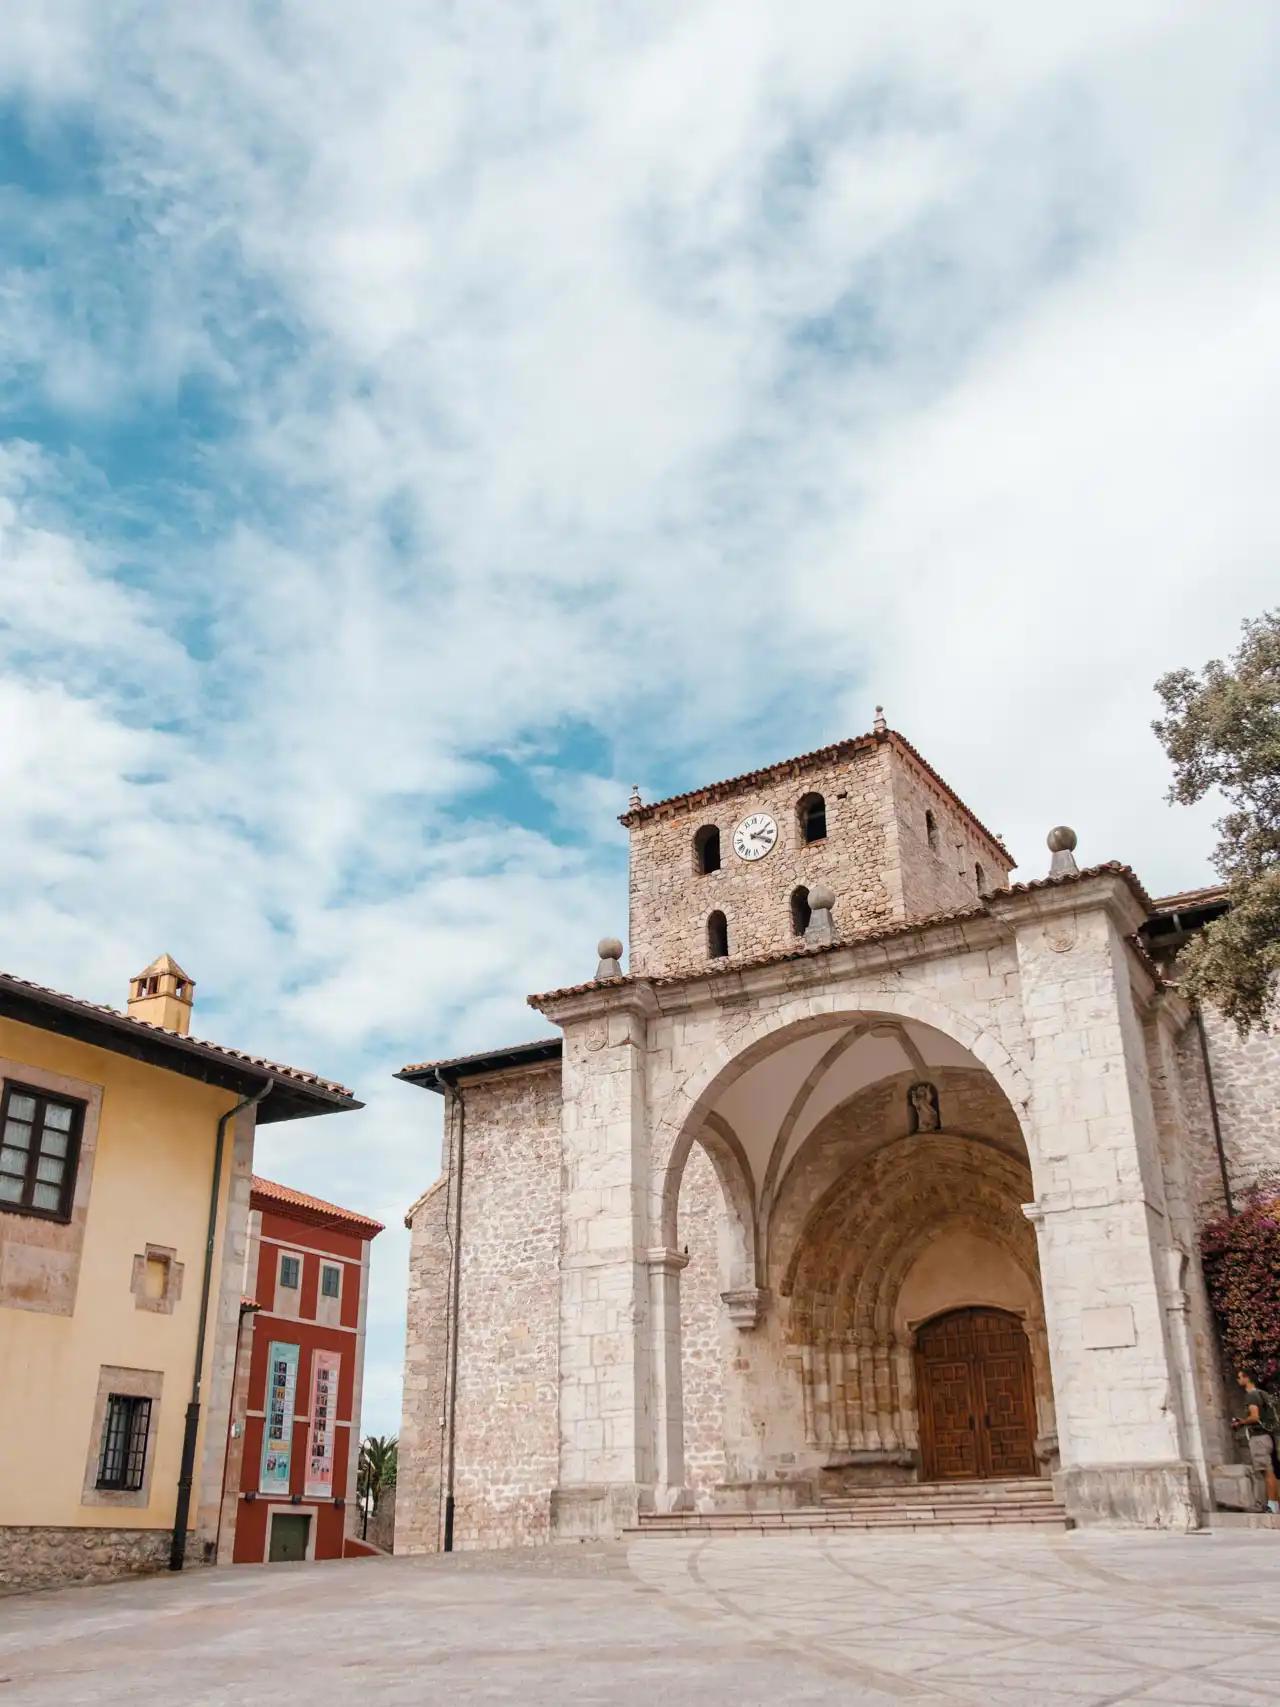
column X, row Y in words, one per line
column 853, row 1254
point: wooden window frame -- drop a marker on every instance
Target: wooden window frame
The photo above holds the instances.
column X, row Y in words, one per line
column 75, row 1133
column 330, row 1268
column 282, row 1283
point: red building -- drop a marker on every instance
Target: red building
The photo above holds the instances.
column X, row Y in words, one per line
column 295, row 1431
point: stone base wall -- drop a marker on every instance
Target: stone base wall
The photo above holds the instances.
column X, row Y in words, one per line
column 1130, row 1496
column 41, row 1557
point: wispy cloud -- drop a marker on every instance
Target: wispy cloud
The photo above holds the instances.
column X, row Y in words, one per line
column 425, row 426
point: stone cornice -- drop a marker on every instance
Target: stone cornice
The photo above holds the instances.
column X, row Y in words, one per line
column 1113, row 887
column 633, row 996
column 982, row 926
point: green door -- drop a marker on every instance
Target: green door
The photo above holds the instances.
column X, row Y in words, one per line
column 288, row 1537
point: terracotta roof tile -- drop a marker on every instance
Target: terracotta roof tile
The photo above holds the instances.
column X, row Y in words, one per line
column 1114, row 867
column 809, row 761
column 180, row 1041
column 1186, row 899
column 273, row 1192
column 540, row 1048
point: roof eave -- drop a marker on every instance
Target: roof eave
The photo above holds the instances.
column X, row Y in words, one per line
column 438, row 1076
column 290, row 1099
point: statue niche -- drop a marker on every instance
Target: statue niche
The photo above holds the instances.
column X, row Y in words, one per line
column 924, row 1112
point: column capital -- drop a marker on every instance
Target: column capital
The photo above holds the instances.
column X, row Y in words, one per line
column 746, row 1305
column 665, row 1260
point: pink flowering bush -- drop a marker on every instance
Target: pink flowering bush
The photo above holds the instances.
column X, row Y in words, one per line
column 1242, row 1268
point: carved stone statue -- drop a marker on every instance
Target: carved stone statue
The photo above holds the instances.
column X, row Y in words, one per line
column 923, row 1107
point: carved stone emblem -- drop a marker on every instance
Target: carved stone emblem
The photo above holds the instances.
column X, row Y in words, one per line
column 923, row 1109
column 1060, row 936
column 597, row 1034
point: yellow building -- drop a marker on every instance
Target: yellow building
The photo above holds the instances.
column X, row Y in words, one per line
column 121, row 1270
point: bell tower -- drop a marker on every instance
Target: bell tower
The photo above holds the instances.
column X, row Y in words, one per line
column 854, row 837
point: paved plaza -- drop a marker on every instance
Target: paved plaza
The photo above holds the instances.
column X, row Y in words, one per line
column 1054, row 1621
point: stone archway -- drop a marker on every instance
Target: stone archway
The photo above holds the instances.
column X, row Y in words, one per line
column 871, row 1173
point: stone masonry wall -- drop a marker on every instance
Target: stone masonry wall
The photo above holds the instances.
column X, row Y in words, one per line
column 670, row 901
column 701, row 1326
column 418, row 1485
column 53, row 1558
column 1246, row 1081
column 940, row 877
column 508, row 1435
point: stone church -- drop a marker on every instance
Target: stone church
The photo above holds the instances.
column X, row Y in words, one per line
column 875, row 1179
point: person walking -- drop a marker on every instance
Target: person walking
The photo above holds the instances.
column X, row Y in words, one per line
column 1261, row 1421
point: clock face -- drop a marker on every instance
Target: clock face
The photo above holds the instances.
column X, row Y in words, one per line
column 755, row 836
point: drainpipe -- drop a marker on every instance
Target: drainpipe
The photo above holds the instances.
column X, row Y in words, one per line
column 454, row 1233
column 178, row 1546
column 1213, row 1109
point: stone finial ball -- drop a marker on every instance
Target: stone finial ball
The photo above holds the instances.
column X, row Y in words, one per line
column 609, row 948
column 822, row 899
column 1062, row 839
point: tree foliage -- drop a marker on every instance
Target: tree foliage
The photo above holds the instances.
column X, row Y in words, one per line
column 1222, row 730
column 379, row 1455
column 1242, row 1268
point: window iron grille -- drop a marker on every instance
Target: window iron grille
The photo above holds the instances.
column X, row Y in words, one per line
column 124, row 1442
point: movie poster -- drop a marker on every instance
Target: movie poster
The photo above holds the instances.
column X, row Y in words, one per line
column 324, row 1410
column 277, row 1427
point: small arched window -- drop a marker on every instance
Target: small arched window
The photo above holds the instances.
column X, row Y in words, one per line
column 801, row 912
column 979, row 877
column 717, row 936
column 811, row 813
column 931, row 830
column 706, row 849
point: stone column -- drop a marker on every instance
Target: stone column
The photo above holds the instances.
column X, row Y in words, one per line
column 665, row 1266
column 1099, row 1212
column 607, row 1468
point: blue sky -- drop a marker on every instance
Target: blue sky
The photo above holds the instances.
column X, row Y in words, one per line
column 419, row 426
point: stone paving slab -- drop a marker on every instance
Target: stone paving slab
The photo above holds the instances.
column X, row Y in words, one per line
column 1075, row 1620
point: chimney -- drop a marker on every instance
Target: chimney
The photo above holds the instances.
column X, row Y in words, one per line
column 162, row 995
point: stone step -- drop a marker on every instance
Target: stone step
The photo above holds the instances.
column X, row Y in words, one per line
column 812, row 1522
column 945, row 1514
column 948, row 1490
column 861, row 1502
column 814, row 1514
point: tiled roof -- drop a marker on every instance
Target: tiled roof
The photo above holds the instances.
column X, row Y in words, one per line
column 1114, row 867
column 1187, row 899
column 511, row 1055
column 171, row 1048
column 855, row 939
column 809, row 761
column 285, row 1195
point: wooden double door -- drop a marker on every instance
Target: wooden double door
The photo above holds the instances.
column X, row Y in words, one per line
column 976, row 1397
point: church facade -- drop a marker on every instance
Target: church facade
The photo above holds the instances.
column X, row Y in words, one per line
column 875, row 1168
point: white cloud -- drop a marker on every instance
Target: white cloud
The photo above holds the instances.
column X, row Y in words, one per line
column 693, row 376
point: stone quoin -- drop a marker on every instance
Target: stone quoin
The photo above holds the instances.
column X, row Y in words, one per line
column 873, row 1169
